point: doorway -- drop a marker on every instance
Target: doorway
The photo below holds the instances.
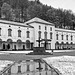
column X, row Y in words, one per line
column 15, row 47
column 8, row 46
column 23, row 47
column 3, row 46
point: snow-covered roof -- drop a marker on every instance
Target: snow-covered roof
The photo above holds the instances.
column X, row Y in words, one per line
column 38, row 20
column 65, row 64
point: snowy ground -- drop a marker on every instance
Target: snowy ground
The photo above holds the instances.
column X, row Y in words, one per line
column 3, row 64
column 65, row 64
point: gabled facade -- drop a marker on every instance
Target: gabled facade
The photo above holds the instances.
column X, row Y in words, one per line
column 43, row 30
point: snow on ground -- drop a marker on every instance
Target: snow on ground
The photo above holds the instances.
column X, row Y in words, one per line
column 4, row 63
column 65, row 64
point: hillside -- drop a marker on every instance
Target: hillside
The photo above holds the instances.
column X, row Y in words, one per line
column 23, row 10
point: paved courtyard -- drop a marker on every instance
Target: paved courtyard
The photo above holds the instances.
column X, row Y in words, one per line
column 12, row 55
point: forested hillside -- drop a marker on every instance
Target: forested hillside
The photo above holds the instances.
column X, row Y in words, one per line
column 23, row 10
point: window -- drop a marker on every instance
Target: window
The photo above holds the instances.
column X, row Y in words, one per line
column 19, row 33
column 66, row 37
column 0, row 31
column 28, row 68
column 50, row 28
column 39, row 34
column 56, row 36
column 9, row 32
column 39, row 27
column 45, row 28
column 28, row 34
column 45, row 35
column 71, row 37
column 19, row 69
column 62, row 36
column 51, row 35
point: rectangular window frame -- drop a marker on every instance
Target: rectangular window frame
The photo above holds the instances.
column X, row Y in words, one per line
column 39, row 34
column 19, row 33
column 9, row 32
column 57, row 38
column 51, row 35
column 45, row 35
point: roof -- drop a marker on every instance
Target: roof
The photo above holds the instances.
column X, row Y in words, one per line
column 14, row 23
column 38, row 20
column 65, row 64
column 64, row 30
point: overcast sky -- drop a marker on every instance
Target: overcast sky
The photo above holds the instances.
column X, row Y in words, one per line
column 65, row 4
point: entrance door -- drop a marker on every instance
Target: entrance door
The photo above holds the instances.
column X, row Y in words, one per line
column 8, row 46
column 45, row 45
column 24, row 47
column 15, row 47
column 3, row 46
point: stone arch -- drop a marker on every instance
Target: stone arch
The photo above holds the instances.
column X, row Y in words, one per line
column 9, row 44
column 27, row 43
column 71, row 43
column 67, row 43
column 57, row 43
column 19, row 44
column 62, row 43
column 9, row 40
column 19, row 41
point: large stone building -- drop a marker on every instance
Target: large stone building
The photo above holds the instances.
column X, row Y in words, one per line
column 15, row 35
column 23, row 36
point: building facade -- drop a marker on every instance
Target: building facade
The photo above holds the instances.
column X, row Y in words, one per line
column 15, row 36
column 65, row 39
column 43, row 30
column 23, row 36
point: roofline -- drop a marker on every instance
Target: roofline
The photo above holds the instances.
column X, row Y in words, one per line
column 42, row 23
column 64, row 30
column 14, row 23
column 29, row 25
